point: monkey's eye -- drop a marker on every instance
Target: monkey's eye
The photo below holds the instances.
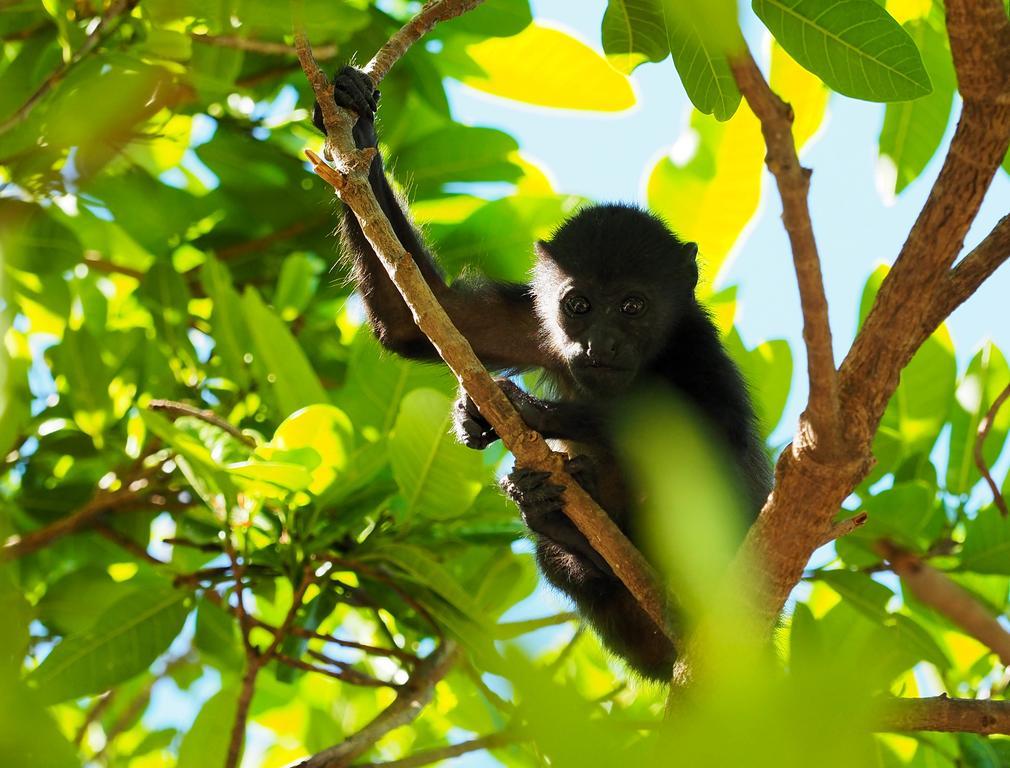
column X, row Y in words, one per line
column 633, row 305
column 576, row 304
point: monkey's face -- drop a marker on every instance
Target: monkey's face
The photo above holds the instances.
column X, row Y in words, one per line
column 605, row 334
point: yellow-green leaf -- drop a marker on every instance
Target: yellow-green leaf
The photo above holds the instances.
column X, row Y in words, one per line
column 549, row 68
column 710, row 198
column 804, row 92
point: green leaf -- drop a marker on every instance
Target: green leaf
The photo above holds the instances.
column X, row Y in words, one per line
column 32, row 240
column 495, row 239
column 854, row 46
column 913, row 129
column 434, row 159
column 702, row 34
column 633, row 32
column 986, row 546
column 217, row 635
column 501, row 18
column 428, row 572
column 231, row 336
column 768, row 369
column 438, row 477
column 919, row 407
column 125, row 639
column 28, row 735
column 986, row 376
column 280, row 366
column 205, row 744
column 378, row 381
column 85, row 380
column 295, row 286
column 73, row 602
column 864, row 594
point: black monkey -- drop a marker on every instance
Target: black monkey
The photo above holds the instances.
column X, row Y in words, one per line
column 611, row 306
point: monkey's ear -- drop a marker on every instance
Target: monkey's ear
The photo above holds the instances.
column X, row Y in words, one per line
column 691, row 250
column 542, row 251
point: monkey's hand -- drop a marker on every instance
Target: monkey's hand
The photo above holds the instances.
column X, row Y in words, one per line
column 472, row 429
column 354, row 90
column 542, row 510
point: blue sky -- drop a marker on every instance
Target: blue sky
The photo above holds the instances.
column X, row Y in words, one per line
column 605, row 157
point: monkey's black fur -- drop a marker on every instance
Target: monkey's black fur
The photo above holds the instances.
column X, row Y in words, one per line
column 610, row 308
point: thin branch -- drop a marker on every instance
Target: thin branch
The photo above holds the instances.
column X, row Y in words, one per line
column 255, row 661
column 371, row 650
column 97, row 710
column 340, row 673
column 793, row 180
column 412, row 697
column 510, row 629
column 125, row 542
column 973, row 270
column 844, row 528
column 268, row 47
column 529, row 448
column 983, row 432
column 132, row 491
column 116, row 11
column 351, row 675
column 944, row 714
column 177, row 410
column 433, row 12
column 94, row 261
column 428, row 756
column 936, row 590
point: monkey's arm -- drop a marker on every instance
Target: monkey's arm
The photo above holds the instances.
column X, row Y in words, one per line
column 497, row 319
column 561, row 420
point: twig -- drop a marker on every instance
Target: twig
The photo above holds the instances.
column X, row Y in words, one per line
column 342, row 674
column 509, row 629
column 268, row 47
column 93, row 261
column 132, row 490
column 844, row 527
column 973, row 270
column 410, row 700
column 983, row 432
column 352, row 675
column 125, row 542
column 527, row 446
column 177, row 409
column 102, row 29
column 371, row 650
column 793, row 180
column 933, row 588
column 96, row 711
column 944, row 714
column 444, row 753
column 255, row 661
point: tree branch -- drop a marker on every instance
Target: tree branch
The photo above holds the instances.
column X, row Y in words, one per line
column 933, row 588
column 411, row 698
column 116, row 11
column 268, row 47
column 974, row 269
column 819, row 430
column 810, row 489
column 943, row 714
column 444, row 753
column 529, row 447
column 132, row 490
column 177, row 409
column 983, row 432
